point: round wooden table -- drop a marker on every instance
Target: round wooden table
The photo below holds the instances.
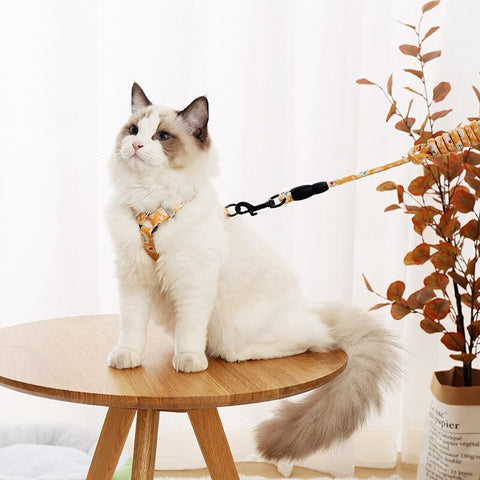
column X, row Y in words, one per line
column 65, row 359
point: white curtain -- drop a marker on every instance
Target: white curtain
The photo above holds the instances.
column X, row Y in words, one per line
column 285, row 110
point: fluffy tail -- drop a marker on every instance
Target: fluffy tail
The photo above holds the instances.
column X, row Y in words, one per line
column 332, row 413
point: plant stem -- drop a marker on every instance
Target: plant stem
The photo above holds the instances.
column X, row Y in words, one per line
column 467, row 368
column 422, row 69
column 397, row 111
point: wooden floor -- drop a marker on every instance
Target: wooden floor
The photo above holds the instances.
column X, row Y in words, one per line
column 404, row 471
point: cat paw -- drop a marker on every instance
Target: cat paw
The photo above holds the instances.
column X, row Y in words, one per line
column 190, row 362
column 124, row 357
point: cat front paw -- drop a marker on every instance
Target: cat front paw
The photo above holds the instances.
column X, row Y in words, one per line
column 124, row 357
column 190, row 362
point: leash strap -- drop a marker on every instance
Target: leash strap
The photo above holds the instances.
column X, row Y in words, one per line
column 448, row 142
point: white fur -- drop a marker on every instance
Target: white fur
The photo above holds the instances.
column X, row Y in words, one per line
column 216, row 287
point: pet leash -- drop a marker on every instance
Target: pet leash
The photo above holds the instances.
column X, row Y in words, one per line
column 448, row 142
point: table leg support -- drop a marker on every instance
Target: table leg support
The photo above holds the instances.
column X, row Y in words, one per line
column 145, row 445
column 213, row 443
column 110, row 443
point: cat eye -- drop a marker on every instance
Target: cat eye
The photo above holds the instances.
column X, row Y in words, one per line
column 133, row 130
column 162, row 136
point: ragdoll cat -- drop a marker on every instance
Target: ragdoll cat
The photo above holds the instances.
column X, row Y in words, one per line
column 211, row 282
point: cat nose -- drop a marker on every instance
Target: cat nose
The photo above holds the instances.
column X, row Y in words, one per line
column 136, row 145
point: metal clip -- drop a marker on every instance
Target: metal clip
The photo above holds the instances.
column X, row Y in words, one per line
column 244, row 207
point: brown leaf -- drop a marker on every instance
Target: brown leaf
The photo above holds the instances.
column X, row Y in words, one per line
column 385, row 186
column 473, row 182
column 410, row 103
column 448, row 224
column 429, row 5
column 442, row 113
column 422, row 218
column 419, row 298
column 463, row 200
column 470, row 166
column 437, row 308
column 430, row 32
column 464, row 357
column 378, row 306
column 400, row 192
column 436, row 281
column 454, row 341
column 419, row 186
column 408, row 25
column 395, row 291
column 441, row 162
column 477, row 92
column 391, row 112
column 471, row 264
column 367, row 284
column 394, row 206
column 408, row 260
column 427, row 57
column 405, row 125
column 417, row 73
column 421, row 253
column 454, row 165
column 424, row 136
column 389, row 84
column 443, row 261
column 471, row 230
column 398, row 311
column 447, row 247
column 467, row 300
column 471, row 157
column 411, row 50
column 412, row 209
column 474, row 330
column 441, row 91
column 364, row 81
column 458, row 279
column 450, row 228
column 410, row 89
column 431, row 326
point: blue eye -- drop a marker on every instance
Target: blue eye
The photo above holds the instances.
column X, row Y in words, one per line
column 162, row 136
column 133, row 130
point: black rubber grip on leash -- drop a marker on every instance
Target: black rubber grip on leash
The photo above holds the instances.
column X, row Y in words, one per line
column 306, row 191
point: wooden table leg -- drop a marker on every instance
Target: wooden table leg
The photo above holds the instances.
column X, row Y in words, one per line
column 145, row 445
column 213, row 443
column 110, row 443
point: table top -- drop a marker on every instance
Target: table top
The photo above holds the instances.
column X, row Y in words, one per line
column 66, row 359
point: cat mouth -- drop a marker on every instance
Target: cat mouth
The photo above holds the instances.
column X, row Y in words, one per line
column 136, row 157
column 135, row 161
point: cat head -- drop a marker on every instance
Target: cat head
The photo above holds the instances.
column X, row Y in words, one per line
column 159, row 138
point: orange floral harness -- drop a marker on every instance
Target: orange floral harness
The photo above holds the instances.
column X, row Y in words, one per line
column 149, row 223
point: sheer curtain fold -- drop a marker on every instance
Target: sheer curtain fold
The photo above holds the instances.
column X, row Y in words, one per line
column 285, row 110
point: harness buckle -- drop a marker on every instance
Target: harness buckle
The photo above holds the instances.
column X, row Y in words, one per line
column 170, row 212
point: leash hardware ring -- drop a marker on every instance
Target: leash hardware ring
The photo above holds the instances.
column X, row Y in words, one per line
column 227, row 212
column 276, row 205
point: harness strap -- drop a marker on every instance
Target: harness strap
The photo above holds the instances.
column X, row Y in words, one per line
column 148, row 224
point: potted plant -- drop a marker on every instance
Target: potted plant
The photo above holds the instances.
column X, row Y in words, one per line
column 443, row 202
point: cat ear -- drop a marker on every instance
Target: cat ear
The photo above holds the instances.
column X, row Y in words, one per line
column 139, row 99
column 195, row 118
